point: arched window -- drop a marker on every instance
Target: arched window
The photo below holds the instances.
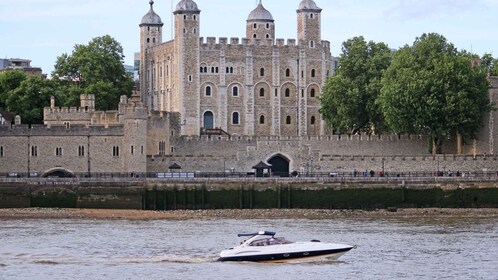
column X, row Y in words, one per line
column 262, row 72
column 262, row 92
column 313, row 120
column 287, row 92
column 287, row 72
column 312, row 44
column 254, row 36
column 312, row 92
column 201, row 69
column 231, row 70
column 262, row 119
column 148, row 40
column 288, row 120
column 267, row 26
column 208, row 91
column 235, row 118
column 235, row 91
column 313, row 73
column 267, row 36
column 311, row 16
column 205, row 69
column 255, row 26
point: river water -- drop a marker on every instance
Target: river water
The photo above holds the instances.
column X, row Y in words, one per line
column 400, row 248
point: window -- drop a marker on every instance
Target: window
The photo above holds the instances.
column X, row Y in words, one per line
column 190, row 78
column 81, row 151
column 313, row 73
column 208, row 91
column 267, row 26
column 185, row 17
column 161, row 71
column 195, row 17
column 311, row 16
column 312, row 93
column 58, row 151
column 115, row 151
column 287, row 72
column 267, row 36
column 288, row 120
column 34, row 151
column 235, row 91
column 1, row 151
column 235, row 118
column 312, row 44
column 195, row 30
column 255, row 26
column 262, row 119
column 254, row 36
column 212, row 69
column 262, row 72
column 287, row 92
column 162, row 148
column 153, row 40
column 142, row 149
column 262, row 92
column 201, row 69
column 132, row 150
column 313, row 120
column 216, row 70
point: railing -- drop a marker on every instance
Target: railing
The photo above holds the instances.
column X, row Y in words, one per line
column 365, row 176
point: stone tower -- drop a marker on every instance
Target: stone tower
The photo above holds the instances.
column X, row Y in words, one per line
column 309, row 23
column 186, row 98
column 150, row 35
column 260, row 24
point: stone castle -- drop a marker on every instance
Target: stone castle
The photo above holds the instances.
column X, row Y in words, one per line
column 220, row 105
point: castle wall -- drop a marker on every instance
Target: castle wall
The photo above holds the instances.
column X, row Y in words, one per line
column 274, row 83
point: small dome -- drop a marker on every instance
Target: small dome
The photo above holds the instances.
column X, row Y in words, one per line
column 260, row 14
column 187, row 6
column 308, row 5
column 151, row 18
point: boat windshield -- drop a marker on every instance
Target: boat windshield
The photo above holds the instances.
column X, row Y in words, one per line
column 270, row 241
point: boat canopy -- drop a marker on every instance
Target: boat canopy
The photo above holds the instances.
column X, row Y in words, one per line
column 269, row 233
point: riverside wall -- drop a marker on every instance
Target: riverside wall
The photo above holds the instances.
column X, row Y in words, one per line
column 155, row 194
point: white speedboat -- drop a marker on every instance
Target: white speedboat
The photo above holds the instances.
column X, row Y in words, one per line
column 263, row 246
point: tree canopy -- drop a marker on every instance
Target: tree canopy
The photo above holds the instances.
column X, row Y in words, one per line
column 96, row 68
column 29, row 98
column 348, row 100
column 431, row 88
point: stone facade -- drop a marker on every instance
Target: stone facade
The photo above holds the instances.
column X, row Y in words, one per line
column 254, row 86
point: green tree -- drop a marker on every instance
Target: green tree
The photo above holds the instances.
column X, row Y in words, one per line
column 489, row 63
column 348, row 100
column 96, row 68
column 29, row 99
column 9, row 81
column 431, row 88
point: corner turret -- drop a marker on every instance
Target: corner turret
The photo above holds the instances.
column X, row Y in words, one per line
column 260, row 24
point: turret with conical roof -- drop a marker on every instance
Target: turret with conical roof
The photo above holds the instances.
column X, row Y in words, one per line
column 309, row 23
column 186, row 67
column 260, row 24
column 151, row 35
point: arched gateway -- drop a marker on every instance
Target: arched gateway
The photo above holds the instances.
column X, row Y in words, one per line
column 279, row 165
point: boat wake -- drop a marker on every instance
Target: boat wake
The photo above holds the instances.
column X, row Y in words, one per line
column 171, row 259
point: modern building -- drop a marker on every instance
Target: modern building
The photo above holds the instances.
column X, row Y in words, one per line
column 19, row 64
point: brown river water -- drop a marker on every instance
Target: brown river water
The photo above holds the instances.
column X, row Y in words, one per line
column 393, row 248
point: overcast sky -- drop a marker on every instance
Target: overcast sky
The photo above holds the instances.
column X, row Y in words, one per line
column 41, row 30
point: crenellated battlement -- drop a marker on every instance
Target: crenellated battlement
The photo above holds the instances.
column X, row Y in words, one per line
column 324, row 139
column 61, row 130
column 225, row 42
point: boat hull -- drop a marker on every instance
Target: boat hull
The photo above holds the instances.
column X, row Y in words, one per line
column 331, row 254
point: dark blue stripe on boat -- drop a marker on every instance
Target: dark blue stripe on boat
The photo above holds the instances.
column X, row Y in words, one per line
column 280, row 256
